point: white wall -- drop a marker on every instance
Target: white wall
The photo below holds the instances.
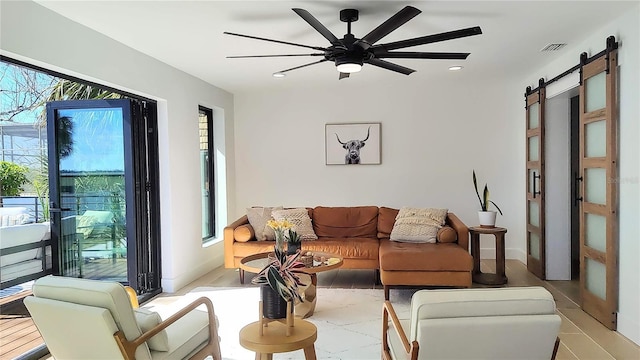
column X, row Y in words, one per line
column 626, row 29
column 558, row 198
column 34, row 34
column 434, row 133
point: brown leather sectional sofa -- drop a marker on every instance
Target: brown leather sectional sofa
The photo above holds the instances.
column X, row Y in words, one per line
column 360, row 235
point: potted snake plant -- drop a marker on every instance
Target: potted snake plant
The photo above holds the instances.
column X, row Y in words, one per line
column 486, row 217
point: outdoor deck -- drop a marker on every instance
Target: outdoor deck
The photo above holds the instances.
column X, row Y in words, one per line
column 18, row 334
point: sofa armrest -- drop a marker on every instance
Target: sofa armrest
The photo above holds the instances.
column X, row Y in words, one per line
column 229, row 240
column 460, row 228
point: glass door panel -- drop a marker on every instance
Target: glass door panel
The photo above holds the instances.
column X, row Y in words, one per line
column 595, row 181
column 534, row 214
column 534, row 148
column 596, row 139
column 534, row 110
column 596, row 278
column 88, row 195
column 534, row 245
column 595, row 235
column 596, row 95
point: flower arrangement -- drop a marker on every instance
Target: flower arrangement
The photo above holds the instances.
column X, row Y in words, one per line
column 484, row 204
column 279, row 227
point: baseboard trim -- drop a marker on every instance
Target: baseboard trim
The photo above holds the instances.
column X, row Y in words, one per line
column 510, row 253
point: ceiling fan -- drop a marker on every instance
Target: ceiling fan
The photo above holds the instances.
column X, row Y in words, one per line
column 350, row 52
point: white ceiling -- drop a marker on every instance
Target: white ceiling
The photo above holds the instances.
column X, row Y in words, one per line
column 188, row 35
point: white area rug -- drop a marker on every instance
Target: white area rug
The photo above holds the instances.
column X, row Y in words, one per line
column 349, row 321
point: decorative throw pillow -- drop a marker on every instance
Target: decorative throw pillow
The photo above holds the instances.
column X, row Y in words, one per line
column 243, row 233
column 300, row 219
column 258, row 217
column 447, row 235
column 418, row 225
column 147, row 319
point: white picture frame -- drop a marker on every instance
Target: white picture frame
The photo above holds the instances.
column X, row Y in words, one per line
column 353, row 144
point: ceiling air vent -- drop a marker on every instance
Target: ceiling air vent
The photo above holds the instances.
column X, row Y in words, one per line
column 553, row 47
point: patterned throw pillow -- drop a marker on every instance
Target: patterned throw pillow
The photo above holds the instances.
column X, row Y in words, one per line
column 418, row 225
column 258, row 217
column 300, row 219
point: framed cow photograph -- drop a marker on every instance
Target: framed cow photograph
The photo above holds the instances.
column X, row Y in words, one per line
column 352, row 144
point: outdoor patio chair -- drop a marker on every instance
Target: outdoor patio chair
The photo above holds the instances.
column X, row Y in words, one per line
column 497, row 323
column 90, row 319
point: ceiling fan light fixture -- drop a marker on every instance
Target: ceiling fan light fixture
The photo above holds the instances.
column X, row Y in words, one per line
column 348, row 64
column 349, row 68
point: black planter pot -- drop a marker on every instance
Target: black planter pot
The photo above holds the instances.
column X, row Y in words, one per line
column 273, row 305
column 293, row 247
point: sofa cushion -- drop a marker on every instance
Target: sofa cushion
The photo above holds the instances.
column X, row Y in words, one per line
column 147, row 320
column 418, row 225
column 243, row 233
column 386, row 219
column 348, row 248
column 346, row 222
column 258, row 217
column 300, row 220
column 402, row 256
column 447, row 235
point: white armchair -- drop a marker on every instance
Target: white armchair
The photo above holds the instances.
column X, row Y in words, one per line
column 90, row 319
column 503, row 323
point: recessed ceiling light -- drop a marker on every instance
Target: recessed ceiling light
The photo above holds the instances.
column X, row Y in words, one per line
column 455, row 68
column 279, row 75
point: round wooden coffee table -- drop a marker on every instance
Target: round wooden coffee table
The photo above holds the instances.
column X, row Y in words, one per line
column 274, row 339
column 256, row 262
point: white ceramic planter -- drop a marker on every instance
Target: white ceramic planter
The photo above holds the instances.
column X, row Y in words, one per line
column 487, row 218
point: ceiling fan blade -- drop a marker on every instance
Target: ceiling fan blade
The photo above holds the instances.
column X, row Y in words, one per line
column 304, row 14
column 390, row 66
column 421, row 55
column 301, row 66
column 276, row 41
column 394, row 22
column 343, row 76
column 430, row 39
column 267, row 56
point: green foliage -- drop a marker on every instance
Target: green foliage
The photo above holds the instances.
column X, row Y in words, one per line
column 484, row 201
column 12, row 177
column 281, row 275
column 293, row 237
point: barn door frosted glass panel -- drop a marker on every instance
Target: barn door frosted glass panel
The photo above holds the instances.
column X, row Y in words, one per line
column 595, row 232
column 596, row 98
column 534, row 245
column 596, row 278
column 534, row 214
column 534, row 149
column 596, row 139
column 595, row 181
column 534, row 110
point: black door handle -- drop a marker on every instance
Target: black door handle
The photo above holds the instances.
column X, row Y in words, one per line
column 534, row 184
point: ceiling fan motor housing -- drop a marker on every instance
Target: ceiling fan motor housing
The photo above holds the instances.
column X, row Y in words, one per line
column 348, row 15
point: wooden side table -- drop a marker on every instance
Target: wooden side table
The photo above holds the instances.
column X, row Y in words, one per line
column 274, row 339
column 499, row 278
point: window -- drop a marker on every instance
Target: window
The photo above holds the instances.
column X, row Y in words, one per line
column 207, row 184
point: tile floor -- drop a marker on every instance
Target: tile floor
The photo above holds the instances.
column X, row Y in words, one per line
column 582, row 337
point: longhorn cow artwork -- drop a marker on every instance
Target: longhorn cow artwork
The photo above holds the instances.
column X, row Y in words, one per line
column 353, row 148
column 345, row 144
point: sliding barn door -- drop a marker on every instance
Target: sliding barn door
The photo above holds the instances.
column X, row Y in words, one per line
column 598, row 157
column 535, row 182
